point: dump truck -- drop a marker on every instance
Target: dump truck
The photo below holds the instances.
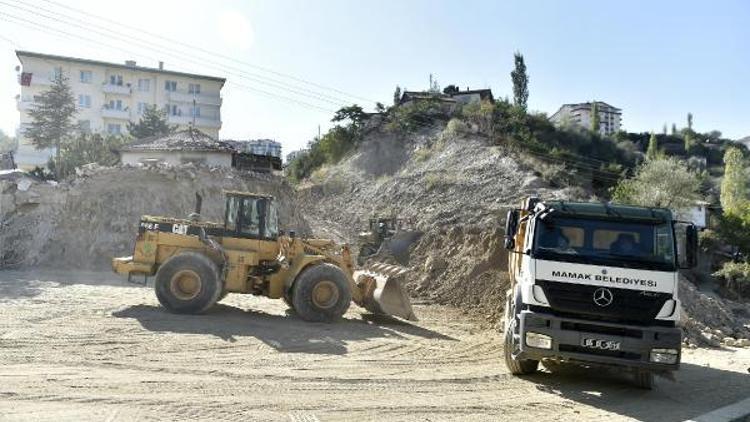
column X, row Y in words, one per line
column 196, row 263
column 390, row 234
column 595, row 284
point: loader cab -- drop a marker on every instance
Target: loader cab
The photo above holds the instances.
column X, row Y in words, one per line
column 251, row 216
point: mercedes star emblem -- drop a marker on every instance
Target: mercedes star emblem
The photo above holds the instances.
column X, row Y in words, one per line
column 603, row 297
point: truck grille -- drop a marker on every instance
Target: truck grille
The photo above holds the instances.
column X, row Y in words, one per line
column 631, row 306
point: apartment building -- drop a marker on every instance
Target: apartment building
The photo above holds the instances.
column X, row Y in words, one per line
column 610, row 118
column 109, row 95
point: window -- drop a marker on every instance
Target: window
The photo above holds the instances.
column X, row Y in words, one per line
column 172, row 110
column 86, row 76
column 114, row 129
column 255, row 217
column 115, row 104
column 56, row 73
column 195, row 111
column 635, row 244
column 144, row 85
column 194, row 89
column 115, row 80
column 84, row 126
column 84, row 101
column 142, row 107
column 170, row 86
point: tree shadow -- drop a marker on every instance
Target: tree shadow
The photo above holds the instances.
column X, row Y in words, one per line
column 695, row 390
column 287, row 334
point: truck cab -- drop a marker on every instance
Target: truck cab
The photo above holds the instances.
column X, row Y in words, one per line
column 595, row 284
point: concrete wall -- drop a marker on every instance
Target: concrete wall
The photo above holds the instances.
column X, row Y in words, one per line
column 174, row 158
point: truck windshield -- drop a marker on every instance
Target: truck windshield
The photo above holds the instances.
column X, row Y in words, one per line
column 602, row 242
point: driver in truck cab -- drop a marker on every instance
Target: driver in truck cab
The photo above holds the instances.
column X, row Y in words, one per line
column 625, row 245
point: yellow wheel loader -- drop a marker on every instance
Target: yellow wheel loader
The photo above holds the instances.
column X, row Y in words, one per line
column 196, row 263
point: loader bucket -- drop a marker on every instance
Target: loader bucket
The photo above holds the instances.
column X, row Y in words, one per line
column 382, row 293
column 399, row 245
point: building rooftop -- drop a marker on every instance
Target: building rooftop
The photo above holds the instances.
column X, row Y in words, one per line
column 485, row 93
column 588, row 105
column 182, row 140
column 21, row 53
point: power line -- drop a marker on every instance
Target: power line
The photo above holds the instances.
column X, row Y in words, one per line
column 212, row 53
column 149, row 45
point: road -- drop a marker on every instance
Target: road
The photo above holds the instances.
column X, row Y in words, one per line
column 88, row 346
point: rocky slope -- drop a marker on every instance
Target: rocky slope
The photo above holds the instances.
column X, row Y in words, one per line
column 85, row 221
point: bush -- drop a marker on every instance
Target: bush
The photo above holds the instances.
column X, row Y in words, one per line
column 736, row 277
column 664, row 183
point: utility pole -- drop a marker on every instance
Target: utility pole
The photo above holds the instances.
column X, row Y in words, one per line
column 193, row 110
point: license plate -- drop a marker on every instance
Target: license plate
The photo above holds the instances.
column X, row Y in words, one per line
column 596, row 343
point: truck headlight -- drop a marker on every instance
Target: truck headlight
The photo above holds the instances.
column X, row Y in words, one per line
column 539, row 341
column 667, row 356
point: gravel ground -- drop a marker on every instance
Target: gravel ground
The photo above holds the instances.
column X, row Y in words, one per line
column 88, row 346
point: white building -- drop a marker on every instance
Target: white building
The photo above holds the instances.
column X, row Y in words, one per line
column 109, row 95
column 181, row 147
column 610, row 118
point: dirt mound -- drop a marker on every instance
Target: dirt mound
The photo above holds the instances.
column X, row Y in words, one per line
column 710, row 320
column 84, row 222
column 454, row 186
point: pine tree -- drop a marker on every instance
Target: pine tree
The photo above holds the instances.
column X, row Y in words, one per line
column 652, row 153
column 397, row 95
column 52, row 118
column 153, row 122
column 520, row 82
column 734, row 183
column 595, row 118
column 674, row 129
column 690, row 121
column 664, row 130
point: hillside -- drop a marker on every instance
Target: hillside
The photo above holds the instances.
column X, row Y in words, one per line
column 455, row 186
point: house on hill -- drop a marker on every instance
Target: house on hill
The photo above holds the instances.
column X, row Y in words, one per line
column 181, row 147
column 453, row 98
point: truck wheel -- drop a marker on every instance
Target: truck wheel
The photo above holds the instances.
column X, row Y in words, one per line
column 644, row 379
column 321, row 293
column 515, row 366
column 188, row 283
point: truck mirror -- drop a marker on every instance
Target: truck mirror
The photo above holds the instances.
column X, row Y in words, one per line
column 511, row 228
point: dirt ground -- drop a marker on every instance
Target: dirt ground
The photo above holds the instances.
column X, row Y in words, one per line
column 88, row 346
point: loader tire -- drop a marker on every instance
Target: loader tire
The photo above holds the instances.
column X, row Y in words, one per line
column 321, row 293
column 188, row 283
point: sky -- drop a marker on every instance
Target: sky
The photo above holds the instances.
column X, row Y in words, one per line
column 290, row 64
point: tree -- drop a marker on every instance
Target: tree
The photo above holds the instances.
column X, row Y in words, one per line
column 674, row 129
column 380, row 107
column 520, row 82
column 353, row 113
column 664, row 130
column 153, row 122
column 7, row 143
column 689, row 144
column 595, row 118
column 734, row 183
column 652, row 152
column 86, row 148
column 690, row 121
column 665, row 182
column 451, row 89
column 397, row 95
column 52, row 118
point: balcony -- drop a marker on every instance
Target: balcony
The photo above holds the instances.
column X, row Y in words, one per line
column 113, row 113
column 199, row 121
column 116, row 89
column 185, row 97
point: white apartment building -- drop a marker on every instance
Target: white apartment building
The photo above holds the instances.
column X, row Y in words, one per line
column 109, row 95
column 610, row 118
